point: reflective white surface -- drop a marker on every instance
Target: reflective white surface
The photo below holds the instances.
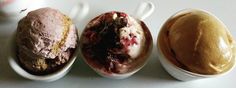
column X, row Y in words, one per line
column 151, row 76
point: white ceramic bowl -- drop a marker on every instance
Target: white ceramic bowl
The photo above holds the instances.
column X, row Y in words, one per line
column 177, row 72
column 15, row 65
column 78, row 12
column 144, row 10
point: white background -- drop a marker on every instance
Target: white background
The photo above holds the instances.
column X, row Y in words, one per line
column 151, row 76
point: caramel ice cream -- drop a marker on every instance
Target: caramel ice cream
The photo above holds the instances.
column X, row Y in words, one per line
column 45, row 39
column 198, row 42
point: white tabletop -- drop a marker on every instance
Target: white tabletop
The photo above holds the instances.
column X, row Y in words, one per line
column 151, row 76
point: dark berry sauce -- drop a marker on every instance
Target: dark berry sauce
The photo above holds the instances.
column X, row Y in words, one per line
column 103, row 38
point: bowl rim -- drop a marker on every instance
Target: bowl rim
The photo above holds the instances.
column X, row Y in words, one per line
column 162, row 56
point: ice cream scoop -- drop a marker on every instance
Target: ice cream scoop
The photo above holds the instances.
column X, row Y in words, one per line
column 198, row 42
column 45, row 44
column 45, row 40
column 115, row 43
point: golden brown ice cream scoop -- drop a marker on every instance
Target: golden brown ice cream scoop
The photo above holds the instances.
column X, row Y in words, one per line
column 198, row 42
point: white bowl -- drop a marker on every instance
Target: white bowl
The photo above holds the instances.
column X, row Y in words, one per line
column 144, row 10
column 78, row 12
column 15, row 65
column 177, row 72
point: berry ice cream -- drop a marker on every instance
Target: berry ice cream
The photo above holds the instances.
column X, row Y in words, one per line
column 115, row 42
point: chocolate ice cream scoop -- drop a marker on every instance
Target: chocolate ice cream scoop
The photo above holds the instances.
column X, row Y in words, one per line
column 198, row 42
column 45, row 39
column 115, row 43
